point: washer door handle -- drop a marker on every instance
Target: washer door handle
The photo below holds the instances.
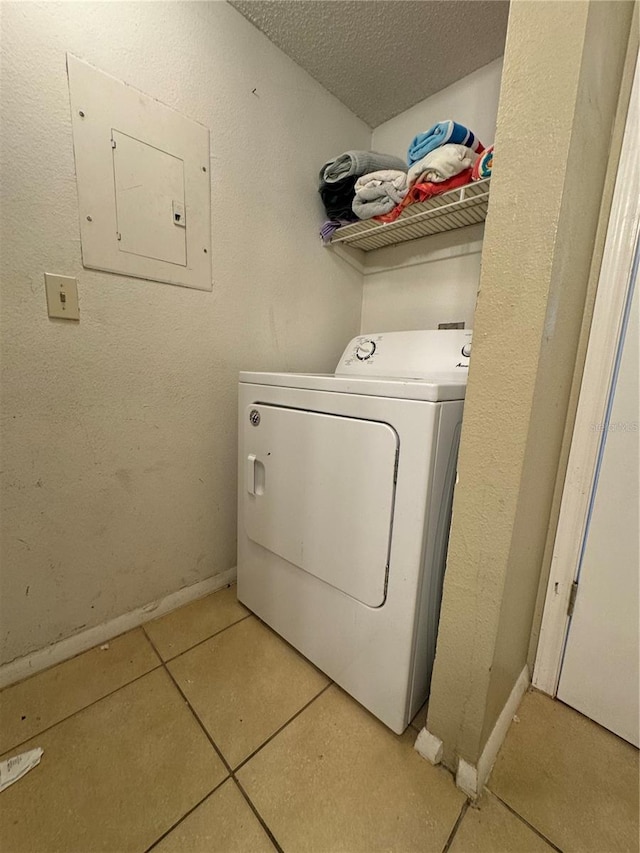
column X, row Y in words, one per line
column 256, row 475
column 251, row 473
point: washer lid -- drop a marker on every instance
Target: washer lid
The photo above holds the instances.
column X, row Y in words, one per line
column 436, row 388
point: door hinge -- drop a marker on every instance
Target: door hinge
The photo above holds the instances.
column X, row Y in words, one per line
column 572, row 598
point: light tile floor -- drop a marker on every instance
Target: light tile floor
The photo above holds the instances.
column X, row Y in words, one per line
column 204, row 731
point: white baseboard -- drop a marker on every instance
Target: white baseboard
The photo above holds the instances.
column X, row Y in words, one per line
column 467, row 778
column 472, row 779
column 22, row 667
column 429, row 746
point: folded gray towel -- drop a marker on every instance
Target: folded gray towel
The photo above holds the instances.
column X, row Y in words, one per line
column 379, row 192
column 358, row 163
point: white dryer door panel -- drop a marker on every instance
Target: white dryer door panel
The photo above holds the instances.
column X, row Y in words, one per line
column 319, row 492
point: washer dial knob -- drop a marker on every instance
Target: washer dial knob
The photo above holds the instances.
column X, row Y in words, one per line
column 365, row 350
column 466, row 350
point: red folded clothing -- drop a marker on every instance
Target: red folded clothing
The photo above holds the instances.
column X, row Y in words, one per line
column 421, row 192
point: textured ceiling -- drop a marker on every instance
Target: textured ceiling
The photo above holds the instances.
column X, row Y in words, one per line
column 380, row 57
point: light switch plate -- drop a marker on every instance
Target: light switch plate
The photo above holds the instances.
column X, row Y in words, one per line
column 62, row 296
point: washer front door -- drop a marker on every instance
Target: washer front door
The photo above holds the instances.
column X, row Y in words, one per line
column 320, row 493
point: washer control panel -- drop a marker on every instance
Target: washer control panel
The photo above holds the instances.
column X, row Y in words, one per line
column 361, row 352
column 365, row 350
column 408, row 355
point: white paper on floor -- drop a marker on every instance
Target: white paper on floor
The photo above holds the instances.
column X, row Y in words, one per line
column 15, row 768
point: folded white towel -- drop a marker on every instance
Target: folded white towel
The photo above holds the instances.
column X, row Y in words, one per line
column 442, row 163
column 379, row 192
column 389, row 182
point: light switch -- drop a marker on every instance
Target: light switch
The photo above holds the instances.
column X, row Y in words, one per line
column 62, row 296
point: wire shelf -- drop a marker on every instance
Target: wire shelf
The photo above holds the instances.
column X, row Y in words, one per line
column 454, row 209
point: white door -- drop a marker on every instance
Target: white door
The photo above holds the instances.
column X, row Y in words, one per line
column 599, row 674
column 320, row 493
column 588, row 649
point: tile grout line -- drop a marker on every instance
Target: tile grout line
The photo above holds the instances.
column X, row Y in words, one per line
column 85, row 707
column 232, row 771
column 200, row 642
column 525, row 821
column 258, row 816
column 162, row 664
column 282, row 727
column 191, row 708
column 463, row 810
column 224, row 761
column 186, row 814
column 159, row 665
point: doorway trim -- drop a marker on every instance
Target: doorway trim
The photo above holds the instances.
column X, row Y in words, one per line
column 589, row 429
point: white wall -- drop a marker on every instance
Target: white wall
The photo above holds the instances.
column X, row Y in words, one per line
column 434, row 280
column 424, row 282
column 119, row 433
column 472, row 101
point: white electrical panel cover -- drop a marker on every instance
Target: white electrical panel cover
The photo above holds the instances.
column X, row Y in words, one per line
column 143, row 182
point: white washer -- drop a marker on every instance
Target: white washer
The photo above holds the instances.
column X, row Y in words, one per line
column 345, row 490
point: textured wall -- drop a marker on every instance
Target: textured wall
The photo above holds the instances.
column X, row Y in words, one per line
column 119, row 433
column 562, row 71
column 434, row 280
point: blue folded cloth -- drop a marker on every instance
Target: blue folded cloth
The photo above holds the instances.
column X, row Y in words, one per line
column 440, row 134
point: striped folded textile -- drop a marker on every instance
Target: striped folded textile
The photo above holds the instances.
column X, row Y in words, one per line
column 425, row 190
column 483, row 165
column 440, row 134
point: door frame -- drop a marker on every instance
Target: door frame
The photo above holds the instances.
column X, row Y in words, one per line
column 614, row 286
